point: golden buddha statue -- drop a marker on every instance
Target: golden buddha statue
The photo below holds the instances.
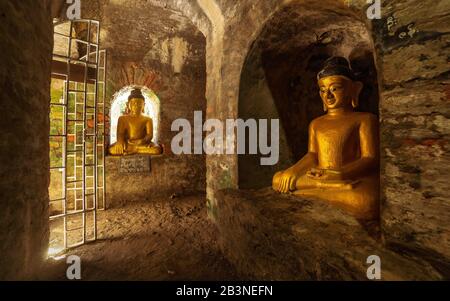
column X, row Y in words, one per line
column 342, row 163
column 135, row 131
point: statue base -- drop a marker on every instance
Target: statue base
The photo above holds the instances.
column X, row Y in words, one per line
column 140, row 178
column 270, row 236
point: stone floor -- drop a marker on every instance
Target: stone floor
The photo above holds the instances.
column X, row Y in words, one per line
column 165, row 239
column 258, row 235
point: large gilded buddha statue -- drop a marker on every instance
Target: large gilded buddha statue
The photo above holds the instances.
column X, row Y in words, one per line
column 342, row 163
column 134, row 130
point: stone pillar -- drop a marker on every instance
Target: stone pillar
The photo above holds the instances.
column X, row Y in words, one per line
column 26, row 34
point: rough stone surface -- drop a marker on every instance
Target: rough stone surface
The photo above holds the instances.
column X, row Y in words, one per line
column 24, row 151
column 412, row 57
column 269, row 236
column 170, row 176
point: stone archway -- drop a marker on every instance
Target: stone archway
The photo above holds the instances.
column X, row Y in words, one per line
column 243, row 24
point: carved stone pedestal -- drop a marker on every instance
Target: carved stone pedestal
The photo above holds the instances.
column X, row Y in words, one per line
column 143, row 178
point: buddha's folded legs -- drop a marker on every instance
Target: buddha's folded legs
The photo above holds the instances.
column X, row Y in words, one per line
column 361, row 199
column 149, row 149
column 276, row 179
column 113, row 150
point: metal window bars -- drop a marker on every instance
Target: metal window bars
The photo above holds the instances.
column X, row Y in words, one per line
column 77, row 185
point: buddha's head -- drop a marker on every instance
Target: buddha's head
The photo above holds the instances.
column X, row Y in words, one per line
column 338, row 87
column 136, row 103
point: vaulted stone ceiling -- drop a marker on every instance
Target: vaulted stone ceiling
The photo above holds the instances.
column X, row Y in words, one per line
column 299, row 26
column 139, row 29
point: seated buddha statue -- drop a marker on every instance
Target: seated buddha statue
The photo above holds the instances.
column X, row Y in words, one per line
column 342, row 163
column 134, row 130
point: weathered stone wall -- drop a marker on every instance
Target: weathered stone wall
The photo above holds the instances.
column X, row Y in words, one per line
column 26, row 47
column 256, row 101
column 412, row 42
column 170, row 176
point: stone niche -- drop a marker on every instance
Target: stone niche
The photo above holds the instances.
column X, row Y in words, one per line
column 143, row 178
column 269, row 236
column 279, row 79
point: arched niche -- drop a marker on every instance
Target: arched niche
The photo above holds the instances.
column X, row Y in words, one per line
column 278, row 79
column 118, row 108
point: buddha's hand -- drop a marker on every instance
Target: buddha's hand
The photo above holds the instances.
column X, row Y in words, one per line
column 142, row 141
column 136, row 141
column 325, row 174
column 284, row 181
column 118, row 148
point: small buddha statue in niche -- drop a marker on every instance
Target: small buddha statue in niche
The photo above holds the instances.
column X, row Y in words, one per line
column 135, row 131
column 342, row 163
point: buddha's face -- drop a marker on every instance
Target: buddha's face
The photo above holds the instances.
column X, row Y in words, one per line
column 336, row 92
column 136, row 106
